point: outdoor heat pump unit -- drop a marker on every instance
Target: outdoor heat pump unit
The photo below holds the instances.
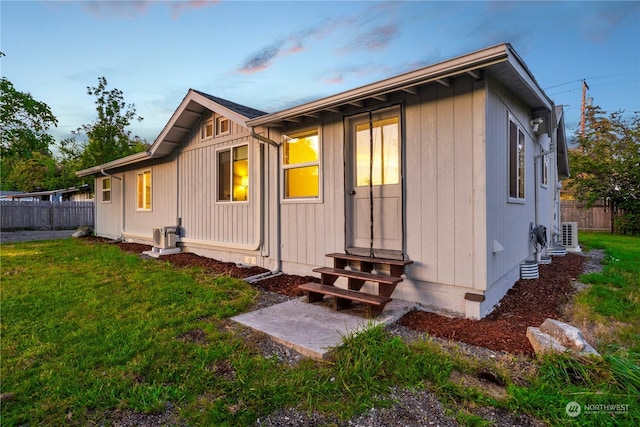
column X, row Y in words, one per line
column 570, row 234
column 165, row 237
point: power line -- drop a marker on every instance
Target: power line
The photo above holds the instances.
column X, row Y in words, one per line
column 593, row 85
column 592, row 78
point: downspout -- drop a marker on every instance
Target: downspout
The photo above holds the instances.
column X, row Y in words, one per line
column 121, row 201
column 536, row 159
column 278, row 269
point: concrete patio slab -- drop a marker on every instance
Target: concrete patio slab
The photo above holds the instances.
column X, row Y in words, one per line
column 314, row 329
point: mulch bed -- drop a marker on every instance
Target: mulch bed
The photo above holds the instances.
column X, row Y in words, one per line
column 284, row 284
column 528, row 303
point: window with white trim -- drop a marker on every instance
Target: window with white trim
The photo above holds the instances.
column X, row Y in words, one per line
column 106, row 190
column 301, row 165
column 143, row 185
column 207, row 129
column 233, row 174
column 223, row 126
column 516, row 161
column 544, row 176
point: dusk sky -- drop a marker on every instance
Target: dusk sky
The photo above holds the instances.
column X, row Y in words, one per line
column 273, row 55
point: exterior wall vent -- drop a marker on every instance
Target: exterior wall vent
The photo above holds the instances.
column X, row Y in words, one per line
column 557, row 251
column 529, row 270
column 164, row 238
column 545, row 259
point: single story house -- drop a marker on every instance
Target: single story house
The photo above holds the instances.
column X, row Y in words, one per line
column 447, row 168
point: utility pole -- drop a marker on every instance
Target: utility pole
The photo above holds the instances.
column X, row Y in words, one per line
column 585, row 87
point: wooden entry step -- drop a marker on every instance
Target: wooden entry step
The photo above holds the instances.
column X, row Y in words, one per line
column 396, row 266
column 357, row 270
column 357, row 275
column 343, row 297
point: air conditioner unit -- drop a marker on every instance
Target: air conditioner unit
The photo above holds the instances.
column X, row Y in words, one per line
column 164, row 238
column 570, row 234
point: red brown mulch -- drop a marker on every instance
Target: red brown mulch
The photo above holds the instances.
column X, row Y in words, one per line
column 284, row 284
column 186, row 259
column 528, row 303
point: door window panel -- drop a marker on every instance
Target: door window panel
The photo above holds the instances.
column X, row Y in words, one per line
column 385, row 169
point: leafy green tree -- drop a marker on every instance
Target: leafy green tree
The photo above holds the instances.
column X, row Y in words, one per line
column 108, row 137
column 34, row 173
column 69, row 160
column 24, row 123
column 606, row 166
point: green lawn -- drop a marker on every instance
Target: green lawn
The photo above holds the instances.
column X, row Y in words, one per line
column 612, row 301
column 87, row 329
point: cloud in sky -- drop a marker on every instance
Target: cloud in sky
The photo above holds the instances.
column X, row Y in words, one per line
column 601, row 23
column 178, row 7
column 375, row 38
column 369, row 36
column 132, row 9
column 339, row 76
column 122, row 9
column 261, row 60
column 295, row 42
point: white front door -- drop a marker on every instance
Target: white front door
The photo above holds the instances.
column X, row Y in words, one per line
column 374, row 184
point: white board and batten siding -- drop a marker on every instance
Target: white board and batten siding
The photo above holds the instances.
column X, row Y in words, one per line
column 108, row 215
column 445, row 185
column 313, row 228
column 507, row 223
column 228, row 230
column 445, row 182
column 139, row 224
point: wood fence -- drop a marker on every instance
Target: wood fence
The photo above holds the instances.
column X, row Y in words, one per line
column 45, row 215
column 596, row 218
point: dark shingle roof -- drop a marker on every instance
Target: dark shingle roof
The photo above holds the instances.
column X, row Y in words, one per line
column 248, row 112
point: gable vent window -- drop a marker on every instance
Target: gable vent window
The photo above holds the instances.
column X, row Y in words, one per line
column 207, row 129
column 222, row 126
column 517, row 143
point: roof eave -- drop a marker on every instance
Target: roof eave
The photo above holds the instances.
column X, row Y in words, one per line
column 469, row 63
column 562, row 147
column 124, row 161
column 162, row 147
column 465, row 63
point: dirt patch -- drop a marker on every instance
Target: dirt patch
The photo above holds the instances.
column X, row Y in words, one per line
column 528, row 303
column 197, row 336
column 484, row 381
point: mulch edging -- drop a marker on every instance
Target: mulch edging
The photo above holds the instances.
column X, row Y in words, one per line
column 528, row 303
